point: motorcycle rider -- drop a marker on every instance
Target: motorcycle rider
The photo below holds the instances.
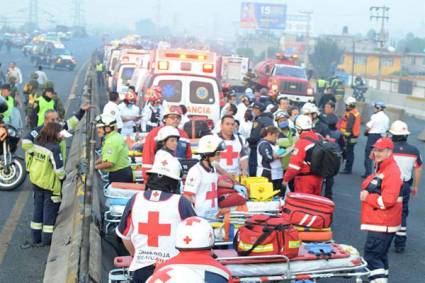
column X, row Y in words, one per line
column 149, row 222
column 194, row 240
column 376, row 128
column 409, row 161
column 359, row 88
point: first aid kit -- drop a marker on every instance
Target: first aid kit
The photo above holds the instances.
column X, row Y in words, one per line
column 267, row 235
column 308, row 210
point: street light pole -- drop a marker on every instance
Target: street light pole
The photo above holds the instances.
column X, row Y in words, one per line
column 353, row 58
column 307, row 36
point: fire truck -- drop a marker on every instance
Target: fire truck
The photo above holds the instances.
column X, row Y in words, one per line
column 283, row 77
column 186, row 77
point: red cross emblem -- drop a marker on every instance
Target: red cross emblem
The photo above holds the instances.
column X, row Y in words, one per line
column 189, row 221
column 212, row 195
column 153, row 229
column 187, row 240
column 162, row 275
column 164, row 162
column 229, row 155
column 155, row 194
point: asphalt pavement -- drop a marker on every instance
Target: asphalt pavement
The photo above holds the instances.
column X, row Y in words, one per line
column 17, row 265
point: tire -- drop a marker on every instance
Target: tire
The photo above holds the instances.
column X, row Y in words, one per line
column 14, row 179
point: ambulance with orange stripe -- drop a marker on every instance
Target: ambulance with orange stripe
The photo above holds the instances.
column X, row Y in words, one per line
column 187, row 77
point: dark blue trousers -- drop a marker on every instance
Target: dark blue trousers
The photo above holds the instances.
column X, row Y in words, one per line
column 376, row 254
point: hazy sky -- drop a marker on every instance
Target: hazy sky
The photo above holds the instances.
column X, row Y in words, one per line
column 220, row 17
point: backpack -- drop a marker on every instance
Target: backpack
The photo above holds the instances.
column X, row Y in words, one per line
column 325, row 158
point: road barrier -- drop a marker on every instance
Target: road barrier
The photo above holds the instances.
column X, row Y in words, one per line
column 75, row 253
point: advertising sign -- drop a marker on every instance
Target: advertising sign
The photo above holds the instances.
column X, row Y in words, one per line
column 263, row 16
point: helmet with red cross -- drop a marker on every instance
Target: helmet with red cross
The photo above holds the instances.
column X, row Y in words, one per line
column 130, row 97
column 163, row 165
column 194, row 233
column 175, row 274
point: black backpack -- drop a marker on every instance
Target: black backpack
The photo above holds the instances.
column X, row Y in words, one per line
column 325, row 158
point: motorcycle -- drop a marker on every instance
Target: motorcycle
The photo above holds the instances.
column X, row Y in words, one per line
column 12, row 170
column 359, row 91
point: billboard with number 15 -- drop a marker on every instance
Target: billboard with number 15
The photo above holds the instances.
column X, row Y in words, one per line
column 263, row 16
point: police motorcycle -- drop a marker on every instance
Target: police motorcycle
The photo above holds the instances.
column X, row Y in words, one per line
column 12, row 170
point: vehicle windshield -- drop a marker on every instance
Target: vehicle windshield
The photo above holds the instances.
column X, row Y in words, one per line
column 127, row 73
column 61, row 51
column 289, row 71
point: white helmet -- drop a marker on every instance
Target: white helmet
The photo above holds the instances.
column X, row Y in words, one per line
column 309, row 108
column 303, row 122
column 399, row 128
column 210, row 144
column 105, row 120
column 166, row 166
column 176, row 273
column 167, row 132
column 172, row 110
column 350, row 101
column 194, row 233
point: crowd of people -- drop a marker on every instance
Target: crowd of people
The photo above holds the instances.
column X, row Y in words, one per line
column 257, row 136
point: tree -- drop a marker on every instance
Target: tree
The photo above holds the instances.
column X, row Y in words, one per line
column 146, row 27
column 411, row 43
column 326, row 53
column 245, row 52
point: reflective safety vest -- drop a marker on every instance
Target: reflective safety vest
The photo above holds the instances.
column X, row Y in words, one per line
column 10, row 104
column 322, row 83
column 43, row 106
column 351, row 123
column 44, row 170
column 99, row 67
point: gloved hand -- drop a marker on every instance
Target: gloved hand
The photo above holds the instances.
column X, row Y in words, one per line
column 281, row 151
column 241, row 189
column 56, row 199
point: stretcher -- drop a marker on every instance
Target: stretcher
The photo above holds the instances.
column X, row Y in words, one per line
column 341, row 264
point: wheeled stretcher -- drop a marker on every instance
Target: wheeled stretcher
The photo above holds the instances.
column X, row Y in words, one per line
column 276, row 267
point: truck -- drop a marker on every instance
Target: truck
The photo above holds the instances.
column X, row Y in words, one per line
column 232, row 70
column 53, row 55
column 282, row 77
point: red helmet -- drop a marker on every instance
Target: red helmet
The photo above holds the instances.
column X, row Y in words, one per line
column 153, row 94
column 130, row 97
column 226, row 86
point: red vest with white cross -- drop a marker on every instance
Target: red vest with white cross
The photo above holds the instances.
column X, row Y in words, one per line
column 155, row 224
column 230, row 157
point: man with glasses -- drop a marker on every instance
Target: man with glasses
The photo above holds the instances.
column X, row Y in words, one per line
column 171, row 118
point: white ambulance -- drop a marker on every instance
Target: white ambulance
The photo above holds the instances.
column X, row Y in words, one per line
column 187, row 77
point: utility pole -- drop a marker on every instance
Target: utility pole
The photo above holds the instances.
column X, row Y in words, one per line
column 33, row 13
column 158, row 13
column 307, row 36
column 380, row 13
column 78, row 22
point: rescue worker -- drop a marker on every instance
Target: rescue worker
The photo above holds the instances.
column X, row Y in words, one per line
column 130, row 113
column 46, row 171
column 5, row 93
column 202, row 179
column 261, row 121
column 58, row 102
column 298, row 168
column 51, row 116
column 326, row 97
column 286, row 138
column 176, row 274
column 111, row 108
column 234, row 159
column 194, row 240
column 114, row 158
column 376, row 128
column 350, row 128
column 269, row 158
column 99, row 74
column 41, row 105
column 338, row 87
column 149, row 222
column 30, row 90
column 381, row 209
column 41, row 75
column 282, row 104
column 319, row 126
column 321, row 85
column 152, row 111
column 409, row 161
column 242, row 107
column 166, row 143
column 171, row 118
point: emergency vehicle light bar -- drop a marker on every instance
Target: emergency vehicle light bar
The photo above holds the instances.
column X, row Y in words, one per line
column 186, row 56
column 208, row 68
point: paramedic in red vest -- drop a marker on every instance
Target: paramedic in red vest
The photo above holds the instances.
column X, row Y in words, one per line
column 202, row 179
column 171, row 118
column 350, row 128
column 381, row 209
column 234, row 159
column 298, row 168
column 409, row 161
column 194, row 240
column 149, row 222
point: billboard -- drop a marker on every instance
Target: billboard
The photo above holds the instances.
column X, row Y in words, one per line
column 263, row 16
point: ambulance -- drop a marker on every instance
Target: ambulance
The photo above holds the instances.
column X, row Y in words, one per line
column 187, row 77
